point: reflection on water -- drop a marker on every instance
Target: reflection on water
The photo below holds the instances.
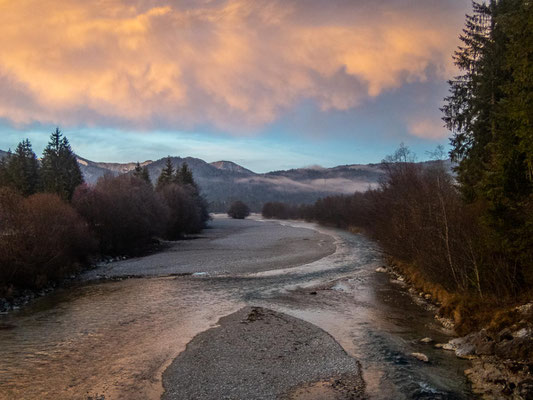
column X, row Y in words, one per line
column 116, row 338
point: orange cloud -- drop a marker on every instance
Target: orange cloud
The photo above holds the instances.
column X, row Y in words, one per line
column 235, row 65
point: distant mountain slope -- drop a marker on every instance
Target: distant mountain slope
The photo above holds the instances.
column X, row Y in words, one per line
column 93, row 170
column 232, row 167
column 223, row 182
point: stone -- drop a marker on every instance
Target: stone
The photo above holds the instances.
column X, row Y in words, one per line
column 466, row 351
column 426, row 340
column 381, row 269
column 421, row 357
column 448, row 346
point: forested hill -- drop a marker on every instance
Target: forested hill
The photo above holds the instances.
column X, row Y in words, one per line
column 222, row 182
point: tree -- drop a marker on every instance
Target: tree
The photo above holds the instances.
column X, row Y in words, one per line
column 60, row 171
column 20, row 170
column 238, row 210
column 142, row 173
column 184, row 176
column 488, row 112
column 167, row 175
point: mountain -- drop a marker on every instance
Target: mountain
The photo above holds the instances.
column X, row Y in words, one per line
column 93, row 170
column 223, row 182
column 232, row 167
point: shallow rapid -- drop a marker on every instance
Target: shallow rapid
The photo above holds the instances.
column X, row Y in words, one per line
column 116, row 338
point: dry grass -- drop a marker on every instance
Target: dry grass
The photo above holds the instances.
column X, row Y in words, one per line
column 469, row 312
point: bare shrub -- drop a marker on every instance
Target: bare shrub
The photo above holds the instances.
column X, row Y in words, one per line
column 41, row 239
column 124, row 212
column 186, row 210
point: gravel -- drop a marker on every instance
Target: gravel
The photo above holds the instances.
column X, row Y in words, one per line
column 257, row 353
column 229, row 246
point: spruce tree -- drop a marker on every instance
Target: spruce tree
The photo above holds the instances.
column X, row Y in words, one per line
column 23, row 169
column 184, row 176
column 142, row 173
column 61, row 173
column 469, row 110
column 145, row 175
column 167, row 175
column 489, row 113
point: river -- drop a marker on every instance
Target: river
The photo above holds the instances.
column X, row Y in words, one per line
column 114, row 339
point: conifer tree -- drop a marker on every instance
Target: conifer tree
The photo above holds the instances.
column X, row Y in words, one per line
column 167, row 175
column 142, row 173
column 60, row 171
column 23, row 169
column 489, row 113
column 184, row 176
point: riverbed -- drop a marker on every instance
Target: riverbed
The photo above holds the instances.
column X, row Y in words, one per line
column 115, row 339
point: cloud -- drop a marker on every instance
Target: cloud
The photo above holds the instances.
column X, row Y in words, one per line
column 428, row 128
column 234, row 65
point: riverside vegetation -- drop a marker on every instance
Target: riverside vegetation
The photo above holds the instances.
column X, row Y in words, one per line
column 53, row 224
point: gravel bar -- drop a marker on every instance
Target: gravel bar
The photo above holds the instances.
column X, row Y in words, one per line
column 257, row 353
column 228, row 247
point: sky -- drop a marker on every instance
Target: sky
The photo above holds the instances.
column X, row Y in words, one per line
column 269, row 84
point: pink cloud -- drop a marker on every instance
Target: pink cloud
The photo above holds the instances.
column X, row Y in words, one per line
column 236, row 65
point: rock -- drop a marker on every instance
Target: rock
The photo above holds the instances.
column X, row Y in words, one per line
column 522, row 333
column 401, row 279
column 426, row 340
column 448, row 346
column 427, row 296
column 439, row 345
column 525, row 309
column 381, row 269
column 466, row 351
column 420, row 356
column 454, row 344
column 504, row 334
column 520, row 348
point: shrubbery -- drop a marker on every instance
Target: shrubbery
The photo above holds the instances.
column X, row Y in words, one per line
column 124, row 212
column 187, row 211
column 238, row 210
column 42, row 239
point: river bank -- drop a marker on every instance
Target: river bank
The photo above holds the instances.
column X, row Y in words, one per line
column 225, row 246
column 501, row 353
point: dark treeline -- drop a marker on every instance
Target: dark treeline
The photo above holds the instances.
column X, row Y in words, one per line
column 52, row 223
column 468, row 239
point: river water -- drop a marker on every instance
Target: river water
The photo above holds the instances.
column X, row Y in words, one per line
column 114, row 339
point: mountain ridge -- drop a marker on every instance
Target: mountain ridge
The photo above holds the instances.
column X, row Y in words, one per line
column 222, row 182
